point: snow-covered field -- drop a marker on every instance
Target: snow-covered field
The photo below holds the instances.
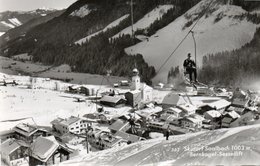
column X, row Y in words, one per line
column 43, row 103
column 111, row 25
column 237, row 146
column 212, row 35
column 10, row 66
column 147, row 20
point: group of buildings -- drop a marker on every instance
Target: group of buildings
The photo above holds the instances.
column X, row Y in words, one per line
column 35, row 145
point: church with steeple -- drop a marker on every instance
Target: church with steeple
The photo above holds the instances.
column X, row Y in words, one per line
column 139, row 92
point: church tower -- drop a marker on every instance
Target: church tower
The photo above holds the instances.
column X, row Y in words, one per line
column 136, row 84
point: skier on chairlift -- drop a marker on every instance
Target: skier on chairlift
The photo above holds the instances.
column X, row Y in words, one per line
column 190, row 68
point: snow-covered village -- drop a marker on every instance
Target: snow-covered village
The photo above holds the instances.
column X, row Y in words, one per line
column 138, row 82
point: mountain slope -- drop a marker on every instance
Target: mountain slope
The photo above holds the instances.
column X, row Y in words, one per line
column 236, row 146
column 223, row 28
column 12, row 19
column 147, row 20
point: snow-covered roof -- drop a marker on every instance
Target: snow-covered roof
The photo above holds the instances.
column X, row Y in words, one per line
column 192, row 119
column 187, row 107
column 148, row 111
column 219, row 104
column 233, row 114
column 119, row 125
column 66, row 122
column 111, row 99
column 70, row 120
column 134, row 91
column 25, row 129
column 127, row 136
column 9, row 146
column 177, row 110
column 44, row 147
column 213, row 113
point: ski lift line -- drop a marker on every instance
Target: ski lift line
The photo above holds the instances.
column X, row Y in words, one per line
column 190, row 31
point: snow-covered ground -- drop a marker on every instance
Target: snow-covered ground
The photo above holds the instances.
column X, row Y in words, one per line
column 147, row 20
column 81, row 12
column 43, row 103
column 211, row 36
column 111, row 25
column 236, row 146
column 2, row 33
column 7, row 24
column 15, row 21
column 10, row 66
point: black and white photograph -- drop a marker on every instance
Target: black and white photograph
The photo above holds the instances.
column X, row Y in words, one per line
column 129, row 82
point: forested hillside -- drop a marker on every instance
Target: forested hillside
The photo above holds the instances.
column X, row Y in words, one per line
column 235, row 67
column 53, row 42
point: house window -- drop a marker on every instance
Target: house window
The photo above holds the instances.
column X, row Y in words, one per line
column 77, row 127
column 72, row 128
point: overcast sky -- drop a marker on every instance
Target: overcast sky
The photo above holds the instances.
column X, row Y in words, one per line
column 25, row 5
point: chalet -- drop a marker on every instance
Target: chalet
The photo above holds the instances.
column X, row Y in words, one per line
column 103, row 139
column 219, row 105
column 13, row 153
column 120, row 125
column 239, row 110
column 212, row 115
column 187, row 109
column 112, row 101
column 191, row 122
column 172, row 111
column 28, row 133
column 133, row 98
column 156, row 126
column 72, row 124
column 228, row 118
column 106, row 140
column 130, row 138
column 71, row 139
column 149, row 113
column 242, row 103
column 173, row 120
column 48, row 151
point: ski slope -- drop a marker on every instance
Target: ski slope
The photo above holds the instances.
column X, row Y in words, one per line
column 15, row 21
column 147, row 20
column 181, row 150
column 211, row 36
column 111, row 25
column 7, row 24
